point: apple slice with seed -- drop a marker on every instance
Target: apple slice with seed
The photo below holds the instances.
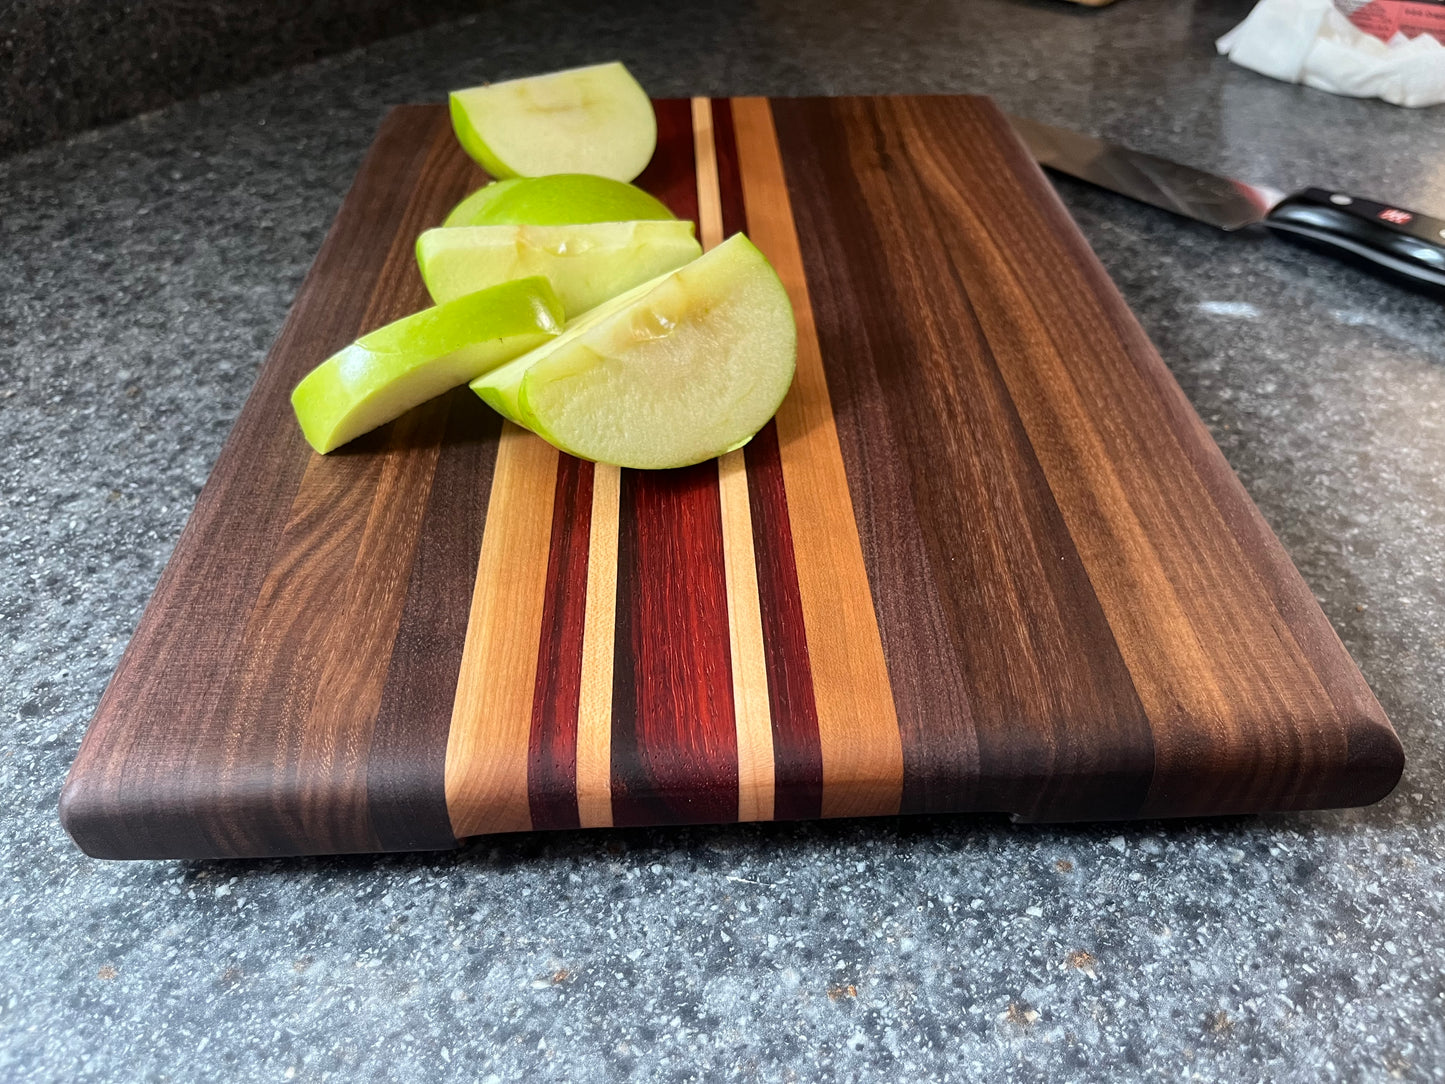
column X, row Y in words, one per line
column 384, row 374
column 679, row 370
column 584, row 120
column 586, row 264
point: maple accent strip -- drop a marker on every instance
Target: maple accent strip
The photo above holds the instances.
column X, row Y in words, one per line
column 857, row 723
column 487, row 749
column 709, row 198
column 751, row 710
column 594, row 703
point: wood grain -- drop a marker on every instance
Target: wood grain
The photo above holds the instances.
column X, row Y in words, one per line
column 173, row 765
column 674, row 734
column 599, row 634
column 490, row 738
column 985, row 558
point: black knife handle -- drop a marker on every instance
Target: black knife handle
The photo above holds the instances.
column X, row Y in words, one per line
column 1405, row 246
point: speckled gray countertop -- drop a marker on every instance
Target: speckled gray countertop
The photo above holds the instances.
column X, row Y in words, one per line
column 145, row 269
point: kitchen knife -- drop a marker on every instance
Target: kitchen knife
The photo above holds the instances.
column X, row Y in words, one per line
column 1405, row 246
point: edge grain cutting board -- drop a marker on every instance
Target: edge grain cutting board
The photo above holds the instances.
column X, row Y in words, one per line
column 985, row 558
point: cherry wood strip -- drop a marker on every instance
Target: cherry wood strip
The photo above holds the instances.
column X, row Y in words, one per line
column 490, row 737
column 857, row 724
column 594, row 708
column 674, row 734
column 552, row 754
column 406, row 767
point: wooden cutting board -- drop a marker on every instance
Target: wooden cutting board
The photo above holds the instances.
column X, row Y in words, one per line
column 985, row 558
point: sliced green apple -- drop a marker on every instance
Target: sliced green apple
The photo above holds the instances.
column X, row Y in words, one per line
column 586, row 265
column 500, row 388
column 679, row 370
column 387, row 372
column 562, row 199
column 584, row 120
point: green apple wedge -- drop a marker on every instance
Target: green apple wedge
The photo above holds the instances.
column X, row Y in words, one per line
column 562, row 199
column 387, row 372
column 585, row 120
column 586, row 264
column 678, row 370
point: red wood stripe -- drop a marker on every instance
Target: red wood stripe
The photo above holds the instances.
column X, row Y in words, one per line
column 671, row 176
column 797, row 750
column 674, row 738
column 407, row 762
column 552, row 750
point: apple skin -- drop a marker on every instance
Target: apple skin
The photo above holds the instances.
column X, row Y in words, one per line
column 559, row 199
column 595, row 119
column 682, row 369
column 394, row 368
column 472, row 210
column 586, row 264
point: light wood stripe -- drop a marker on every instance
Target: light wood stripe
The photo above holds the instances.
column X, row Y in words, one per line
column 486, row 771
column 745, row 633
column 594, row 707
column 751, row 709
column 709, row 197
column 857, row 721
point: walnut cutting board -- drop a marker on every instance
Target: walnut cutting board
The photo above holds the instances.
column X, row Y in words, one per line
column 985, row 558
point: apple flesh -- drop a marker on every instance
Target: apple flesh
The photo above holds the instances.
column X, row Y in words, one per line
column 682, row 369
column 387, row 372
column 562, row 199
column 586, row 265
column 584, row 120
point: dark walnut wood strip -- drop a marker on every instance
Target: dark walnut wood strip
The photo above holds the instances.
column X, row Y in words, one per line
column 552, row 752
column 143, row 784
column 1007, row 678
column 729, row 170
column 1238, row 714
column 322, row 633
column 674, row 737
column 407, row 761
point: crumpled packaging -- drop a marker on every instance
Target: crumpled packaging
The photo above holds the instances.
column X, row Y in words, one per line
column 1309, row 42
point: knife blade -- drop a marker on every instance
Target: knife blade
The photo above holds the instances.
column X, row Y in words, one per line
column 1403, row 245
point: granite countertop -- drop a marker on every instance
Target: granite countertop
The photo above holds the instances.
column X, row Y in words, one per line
column 146, row 267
